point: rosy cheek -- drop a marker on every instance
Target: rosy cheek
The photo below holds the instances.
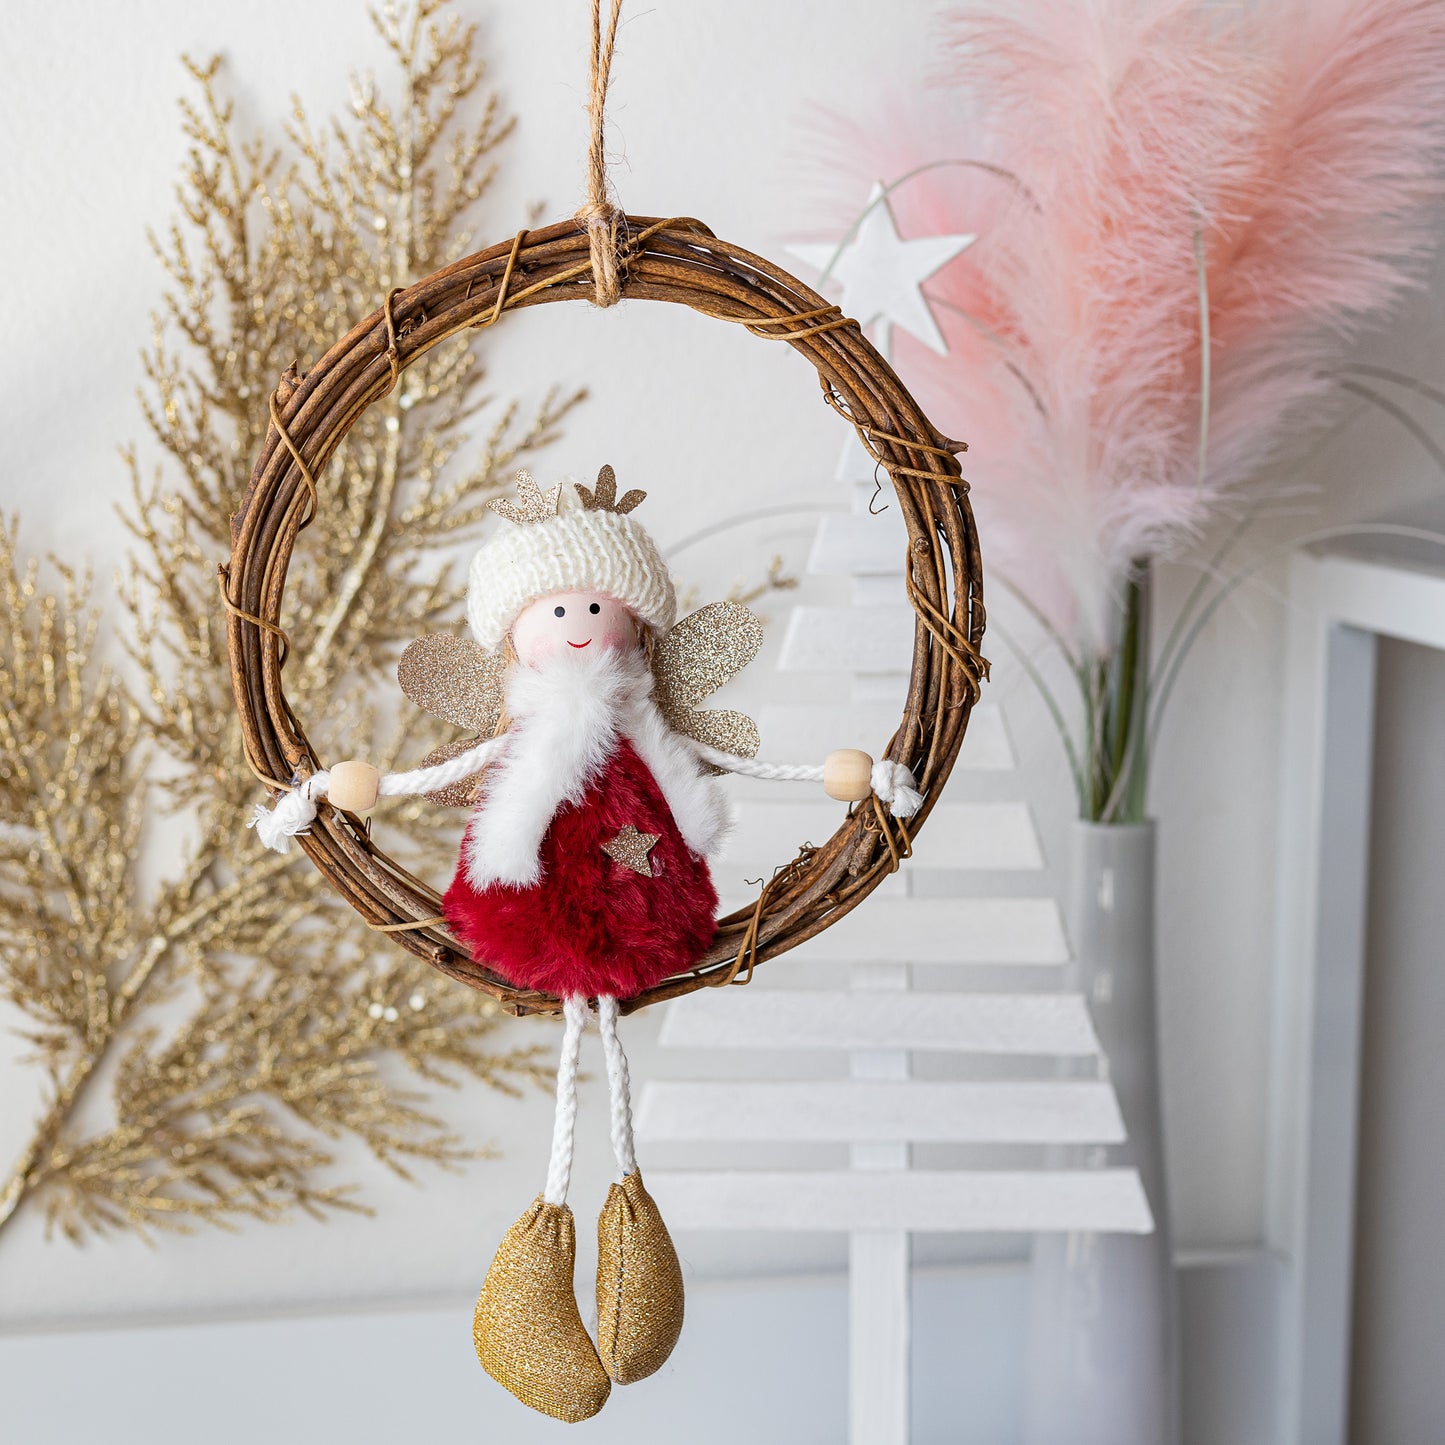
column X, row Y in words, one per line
column 619, row 636
column 535, row 649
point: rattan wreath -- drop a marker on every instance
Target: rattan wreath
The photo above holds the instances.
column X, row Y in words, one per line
column 677, row 260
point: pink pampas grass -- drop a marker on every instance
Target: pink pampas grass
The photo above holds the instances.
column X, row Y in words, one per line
column 1208, row 202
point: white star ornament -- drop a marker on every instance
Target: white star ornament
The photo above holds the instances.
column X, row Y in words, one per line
column 882, row 275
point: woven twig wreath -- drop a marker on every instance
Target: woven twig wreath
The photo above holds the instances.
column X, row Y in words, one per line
column 676, row 260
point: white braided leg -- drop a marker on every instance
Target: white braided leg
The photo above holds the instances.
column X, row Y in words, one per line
column 559, row 1169
column 619, row 1087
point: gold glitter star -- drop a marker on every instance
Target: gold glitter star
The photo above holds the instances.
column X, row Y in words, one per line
column 630, row 848
column 532, row 504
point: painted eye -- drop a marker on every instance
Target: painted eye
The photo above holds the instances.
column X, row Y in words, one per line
column 595, row 607
column 559, row 612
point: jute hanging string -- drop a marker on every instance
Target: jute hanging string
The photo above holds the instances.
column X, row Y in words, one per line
column 603, row 255
column 599, row 215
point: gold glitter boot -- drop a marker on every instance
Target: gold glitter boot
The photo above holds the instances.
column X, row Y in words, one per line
column 529, row 1335
column 639, row 1284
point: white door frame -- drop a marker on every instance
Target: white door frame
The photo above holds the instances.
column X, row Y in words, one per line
column 1340, row 606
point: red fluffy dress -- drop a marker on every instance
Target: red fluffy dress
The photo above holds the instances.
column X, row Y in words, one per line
column 583, row 870
column 596, row 923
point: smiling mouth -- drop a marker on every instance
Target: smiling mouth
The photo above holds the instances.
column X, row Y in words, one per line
column 588, row 643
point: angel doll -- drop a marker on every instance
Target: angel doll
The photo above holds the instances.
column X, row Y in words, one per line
column 583, row 870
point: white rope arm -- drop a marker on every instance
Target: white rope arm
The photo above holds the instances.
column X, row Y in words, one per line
column 441, row 775
column 895, row 785
column 756, row 768
column 294, row 811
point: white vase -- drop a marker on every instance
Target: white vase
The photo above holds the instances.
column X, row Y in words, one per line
column 1103, row 1366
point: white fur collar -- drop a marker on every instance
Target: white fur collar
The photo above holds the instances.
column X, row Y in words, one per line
column 566, row 722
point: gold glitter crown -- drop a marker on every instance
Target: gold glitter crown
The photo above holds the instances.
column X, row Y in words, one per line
column 604, row 499
column 532, row 504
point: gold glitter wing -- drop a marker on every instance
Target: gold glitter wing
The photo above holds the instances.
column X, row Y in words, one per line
column 457, row 680
column 706, row 649
column 455, row 795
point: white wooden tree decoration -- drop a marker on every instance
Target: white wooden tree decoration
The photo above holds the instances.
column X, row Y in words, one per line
column 878, row 1109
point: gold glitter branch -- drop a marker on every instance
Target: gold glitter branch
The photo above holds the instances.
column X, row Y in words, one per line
column 295, row 1025
column 70, row 812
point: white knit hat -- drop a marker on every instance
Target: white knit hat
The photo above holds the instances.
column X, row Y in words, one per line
column 593, row 546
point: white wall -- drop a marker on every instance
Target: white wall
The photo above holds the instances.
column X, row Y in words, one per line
column 758, row 1360
column 706, row 106
column 1399, row 1320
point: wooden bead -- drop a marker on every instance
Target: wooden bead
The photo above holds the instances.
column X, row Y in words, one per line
column 353, row 787
column 848, row 775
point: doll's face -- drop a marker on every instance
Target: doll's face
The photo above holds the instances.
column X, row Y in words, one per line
column 571, row 624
